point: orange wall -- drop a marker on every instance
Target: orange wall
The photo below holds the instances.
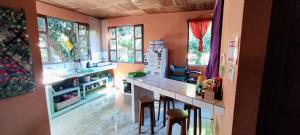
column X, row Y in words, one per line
column 241, row 96
column 53, row 11
column 254, row 39
column 26, row 114
column 232, row 25
column 172, row 27
column 123, row 69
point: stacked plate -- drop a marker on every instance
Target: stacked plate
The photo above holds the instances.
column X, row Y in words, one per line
column 156, row 44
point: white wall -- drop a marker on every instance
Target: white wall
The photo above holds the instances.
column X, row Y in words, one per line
column 95, row 38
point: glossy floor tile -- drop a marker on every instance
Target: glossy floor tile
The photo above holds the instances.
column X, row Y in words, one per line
column 110, row 114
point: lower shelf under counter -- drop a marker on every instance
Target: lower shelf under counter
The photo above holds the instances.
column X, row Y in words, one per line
column 50, row 94
column 56, row 107
column 84, row 85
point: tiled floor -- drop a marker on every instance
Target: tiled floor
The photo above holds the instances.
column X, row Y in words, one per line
column 111, row 115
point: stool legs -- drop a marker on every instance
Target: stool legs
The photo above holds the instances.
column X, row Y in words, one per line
column 143, row 116
column 188, row 120
column 195, row 109
column 173, row 104
column 153, row 113
column 200, row 121
column 188, row 108
column 152, row 118
column 140, row 117
column 195, row 121
column 166, row 106
column 169, row 128
column 183, row 127
column 164, row 115
column 158, row 110
column 177, row 116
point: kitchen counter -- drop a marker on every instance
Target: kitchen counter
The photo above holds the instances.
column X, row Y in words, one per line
column 54, row 77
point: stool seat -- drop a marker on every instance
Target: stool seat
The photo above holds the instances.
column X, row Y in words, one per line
column 177, row 114
column 146, row 99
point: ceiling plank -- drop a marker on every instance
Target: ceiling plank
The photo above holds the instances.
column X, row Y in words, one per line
column 117, row 8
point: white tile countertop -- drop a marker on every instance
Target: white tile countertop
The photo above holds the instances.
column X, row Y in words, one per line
column 181, row 91
column 53, row 77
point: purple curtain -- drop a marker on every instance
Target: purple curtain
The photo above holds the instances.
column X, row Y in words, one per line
column 213, row 64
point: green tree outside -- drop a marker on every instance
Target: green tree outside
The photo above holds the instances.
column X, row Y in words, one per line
column 194, row 56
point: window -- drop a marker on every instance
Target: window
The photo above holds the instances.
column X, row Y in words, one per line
column 194, row 56
column 62, row 41
column 83, row 47
column 126, row 44
column 43, row 39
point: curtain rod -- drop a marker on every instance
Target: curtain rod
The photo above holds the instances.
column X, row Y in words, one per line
column 200, row 18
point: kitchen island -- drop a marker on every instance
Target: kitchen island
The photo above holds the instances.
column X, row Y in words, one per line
column 181, row 91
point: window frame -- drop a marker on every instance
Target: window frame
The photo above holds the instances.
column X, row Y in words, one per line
column 188, row 38
column 88, row 41
column 109, row 44
column 77, row 35
column 134, row 43
column 46, row 33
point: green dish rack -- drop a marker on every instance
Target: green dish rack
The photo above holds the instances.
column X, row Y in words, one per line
column 136, row 74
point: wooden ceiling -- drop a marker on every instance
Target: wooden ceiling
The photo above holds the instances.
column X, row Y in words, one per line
column 119, row 8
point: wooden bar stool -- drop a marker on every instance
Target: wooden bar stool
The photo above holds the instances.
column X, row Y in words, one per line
column 166, row 100
column 144, row 102
column 189, row 107
column 177, row 116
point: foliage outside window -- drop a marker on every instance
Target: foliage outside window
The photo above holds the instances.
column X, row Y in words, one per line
column 83, row 48
column 194, row 56
column 126, row 44
column 62, row 41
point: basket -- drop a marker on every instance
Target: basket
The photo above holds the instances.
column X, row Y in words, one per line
column 67, row 103
column 136, row 74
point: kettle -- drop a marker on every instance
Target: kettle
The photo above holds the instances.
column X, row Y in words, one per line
column 88, row 65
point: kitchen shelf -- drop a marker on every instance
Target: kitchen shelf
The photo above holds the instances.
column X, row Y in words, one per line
column 54, row 78
column 61, row 92
column 84, row 85
column 50, row 93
